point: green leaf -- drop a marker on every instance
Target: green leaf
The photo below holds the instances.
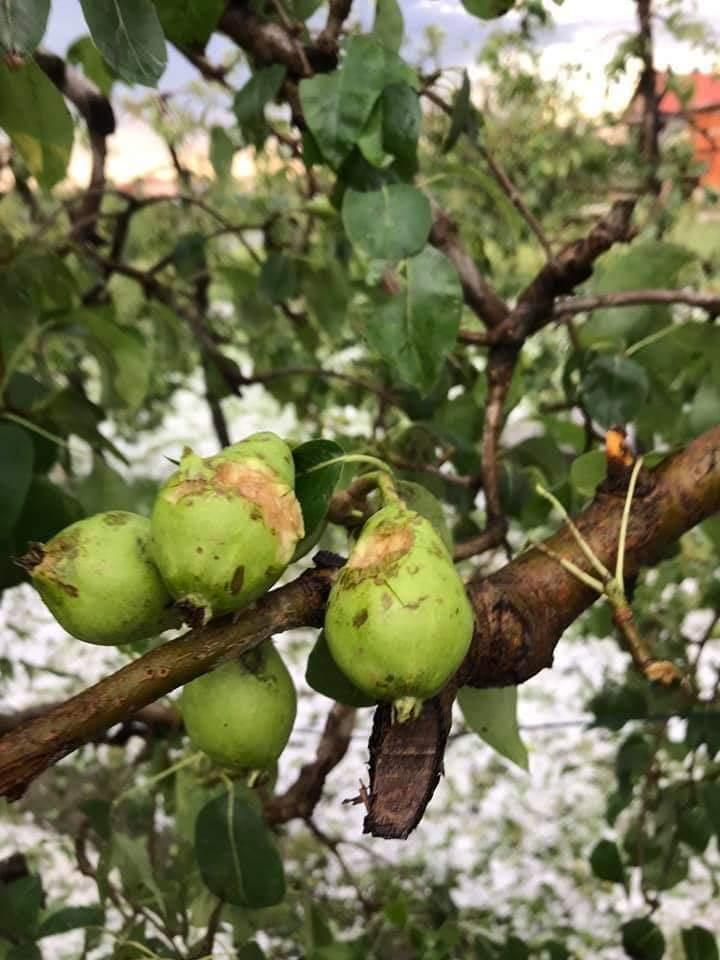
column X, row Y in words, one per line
column 20, row 903
column 105, row 489
column 415, row 329
column 222, row 151
column 388, row 26
column 419, row 499
column 401, row 122
column 370, row 142
column 278, row 277
column 34, row 116
column 325, row 677
column 488, row 9
column 189, row 21
column 387, row 224
column 699, row 944
column 302, row 9
column 129, row 36
column 705, row 409
column 250, row 101
column 84, row 53
column 586, row 472
column 635, row 268
column 124, row 353
column 606, row 862
column 464, row 118
column 22, row 24
column 48, row 509
column 130, row 855
column 514, row 949
column 70, row 918
column 16, row 467
column 22, row 951
column 613, row 388
column 337, row 105
column 188, row 256
column 642, row 940
column 711, row 800
column 237, row 858
column 492, row 714
column 694, row 827
column 250, row 951
column 314, row 490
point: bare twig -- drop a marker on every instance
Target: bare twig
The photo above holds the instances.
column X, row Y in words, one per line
column 630, row 298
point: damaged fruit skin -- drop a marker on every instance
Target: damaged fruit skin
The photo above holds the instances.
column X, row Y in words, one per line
column 225, row 528
column 398, row 620
column 268, row 448
column 241, row 714
column 98, row 580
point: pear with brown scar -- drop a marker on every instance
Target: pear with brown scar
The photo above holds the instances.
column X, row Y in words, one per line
column 398, row 620
column 225, row 528
column 99, row 582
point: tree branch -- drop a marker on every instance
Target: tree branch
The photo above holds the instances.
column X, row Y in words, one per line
column 630, row 298
column 31, row 748
column 521, row 611
column 301, row 798
column 650, row 142
column 478, row 294
column 98, row 113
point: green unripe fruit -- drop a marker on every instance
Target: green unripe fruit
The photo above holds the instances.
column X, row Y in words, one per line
column 225, row 528
column 98, row 580
column 398, row 621
column 241, row 714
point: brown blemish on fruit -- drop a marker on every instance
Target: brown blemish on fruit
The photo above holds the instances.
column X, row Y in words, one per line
column 280, row 512
column 237, row 580
column 386, row 601
column 198, row 550
column 360, row 618
column 48, row 565
column 385, row 545
column 116, row 519
column 186, row 488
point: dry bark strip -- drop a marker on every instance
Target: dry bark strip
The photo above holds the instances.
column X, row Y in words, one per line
column 521, row 612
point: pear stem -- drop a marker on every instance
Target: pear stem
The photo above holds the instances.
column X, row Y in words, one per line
column 351, row 458
column 406, row 708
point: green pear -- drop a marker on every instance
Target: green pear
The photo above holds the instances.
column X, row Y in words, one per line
column 98, row 579
column 226, row 527
column 241, row 714
column 398, row 620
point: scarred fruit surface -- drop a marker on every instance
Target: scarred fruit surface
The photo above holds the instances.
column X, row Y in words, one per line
column 225, row 528
column 241, row 713
column 98, row 580
column 270, row 449
column 398, row 621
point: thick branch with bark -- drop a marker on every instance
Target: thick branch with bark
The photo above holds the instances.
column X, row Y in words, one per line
column 650, row 127
column 559, row 277
column 521, row 611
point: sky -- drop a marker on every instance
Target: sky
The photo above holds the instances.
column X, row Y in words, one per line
column 583, row 32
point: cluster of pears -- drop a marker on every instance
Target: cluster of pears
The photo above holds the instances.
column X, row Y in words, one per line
column 222, row 530
column 398, row 621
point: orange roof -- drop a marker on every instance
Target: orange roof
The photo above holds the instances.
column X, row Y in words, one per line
column 706, row 92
